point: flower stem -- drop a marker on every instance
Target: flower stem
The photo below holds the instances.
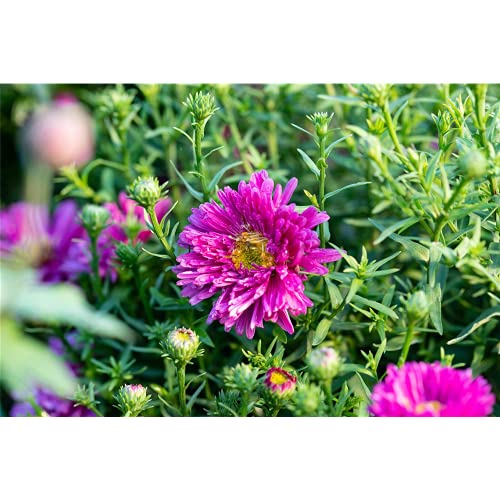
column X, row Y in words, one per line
column 322, row 166
column 406, row 345
column 96, row 278
column 390, row 127
column 441, row 222
column 327, row 385
column 199, row 132
column 181, row 378
column 159, row 234
column 244, row 404
column 142, row 295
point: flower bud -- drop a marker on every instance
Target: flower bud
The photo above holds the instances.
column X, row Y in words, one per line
column 307, row 400
column 127, row 254
column 146, row 191
column 473, row 164
column 242, row 377
column 61, row 133
column 280, row 383
column 324, row 363
column 417, row 305
column 181, row 345
column 133, row 399
column 94, row 219
column 321, row 122
column 201, row 106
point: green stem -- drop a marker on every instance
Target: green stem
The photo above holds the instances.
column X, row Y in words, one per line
column 327, row 385
column 442, row 220
column 181, row 378
column 159, row 234
column 390, row 127
column 199, row 131
column 96, row 278
column 142, row 295
column 406, row 345
column 480, row 114
column 322, row 166
column 244, row 404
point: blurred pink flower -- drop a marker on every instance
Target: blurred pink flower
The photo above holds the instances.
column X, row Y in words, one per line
column 49, row 244
column 127, row 224
column 61, row 133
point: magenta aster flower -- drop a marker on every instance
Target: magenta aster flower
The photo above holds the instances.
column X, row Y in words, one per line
column 419, row 389
column 127, row 224
column 280, row 382
column 48, row 244
column 253, row 250
column 52, row 405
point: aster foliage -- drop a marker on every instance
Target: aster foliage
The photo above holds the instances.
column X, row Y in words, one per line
column 250, row 250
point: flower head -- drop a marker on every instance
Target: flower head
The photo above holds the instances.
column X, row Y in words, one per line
column 51, row 405
column 419, row 389
column 182, row 345
column 324, row 363
column 253, row 250
column 307, row 400
column 49, row 244
column 280, row 382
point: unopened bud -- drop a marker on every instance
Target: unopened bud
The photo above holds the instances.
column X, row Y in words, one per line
column 127, row 254
column 182, row 345
column 132, row 399
column 473, row 164
column 242, row 377
column 324, row 363
column 146, row 192
column 307, row 400
column 417, row 305
column 94, row 219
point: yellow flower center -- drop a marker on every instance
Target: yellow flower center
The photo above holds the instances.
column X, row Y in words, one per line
column 251, row 249
column 278, row 378
column 434, row 406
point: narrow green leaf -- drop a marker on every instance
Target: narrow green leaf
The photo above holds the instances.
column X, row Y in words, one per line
column 376, row 305
column 329, row 149
column 321, row 331
column 349, row 186
column 402, row 224
column 481, row 320
column 220, row 173
column 311, row 165
column 194, row 193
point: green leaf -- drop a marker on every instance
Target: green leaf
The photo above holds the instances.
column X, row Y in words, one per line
column 376, row 305
column 334, row 292
column 204, row 337
column 23, row 297
column 194, row 193
column 481, row 320
column 416, row 250
column 349, row 186
column 27, row 362
column 312, row 166
column 431, row 171
column 220, row 173
column 329, row 149
column 434, row 299
column 402, row 224
column 321, row 331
